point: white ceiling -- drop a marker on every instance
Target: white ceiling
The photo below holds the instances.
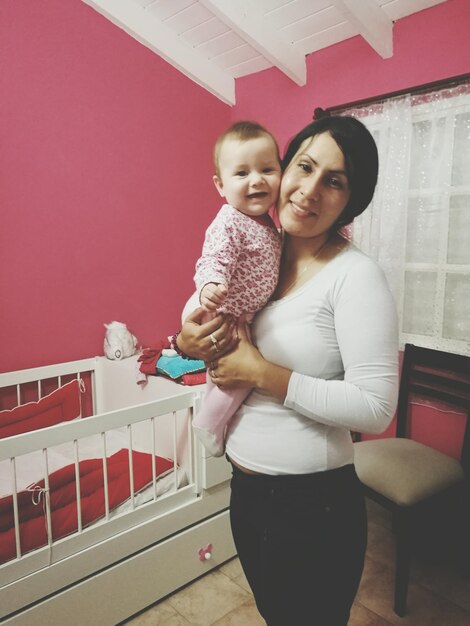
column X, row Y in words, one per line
column 213, row 42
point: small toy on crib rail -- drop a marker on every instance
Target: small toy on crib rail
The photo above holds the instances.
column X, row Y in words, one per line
column 119, row 342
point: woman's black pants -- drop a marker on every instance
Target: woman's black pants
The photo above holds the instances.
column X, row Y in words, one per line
column 301, row 541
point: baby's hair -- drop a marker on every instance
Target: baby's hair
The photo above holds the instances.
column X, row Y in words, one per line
column 241, row 131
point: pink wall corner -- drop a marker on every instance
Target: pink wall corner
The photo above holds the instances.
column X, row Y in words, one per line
column 105, row 167
column 428, row 46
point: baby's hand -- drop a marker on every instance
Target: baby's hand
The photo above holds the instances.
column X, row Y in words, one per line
column 212, row 296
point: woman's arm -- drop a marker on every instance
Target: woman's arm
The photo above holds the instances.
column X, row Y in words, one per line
column 367, row 335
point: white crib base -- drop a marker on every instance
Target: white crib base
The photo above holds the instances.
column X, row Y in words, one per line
column 119, row 591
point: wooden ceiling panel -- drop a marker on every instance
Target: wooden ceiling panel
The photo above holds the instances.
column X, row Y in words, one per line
column 313, row 24
column 215, row 41
column 206, row 32
column 396, row 9
column 291, row 12
column 252, row 66
column 328, row 37
column 236, row 56
column 189, row 18
column 215, row 47
column 164, row 9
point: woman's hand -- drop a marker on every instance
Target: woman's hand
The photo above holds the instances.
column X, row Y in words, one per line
column 245, row 367
column 239, row 369
column 207, row 340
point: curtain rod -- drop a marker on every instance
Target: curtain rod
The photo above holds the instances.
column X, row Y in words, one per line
column 438, row 84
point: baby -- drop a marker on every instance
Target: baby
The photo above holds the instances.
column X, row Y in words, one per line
column 238, row 270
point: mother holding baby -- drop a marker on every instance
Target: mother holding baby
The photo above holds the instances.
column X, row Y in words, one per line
column 322, row 362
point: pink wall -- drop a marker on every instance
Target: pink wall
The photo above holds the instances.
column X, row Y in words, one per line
column 429, row 45
column 105, row 183
column 105, row 163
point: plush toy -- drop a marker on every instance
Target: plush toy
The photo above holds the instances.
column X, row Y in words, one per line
column 119, row 342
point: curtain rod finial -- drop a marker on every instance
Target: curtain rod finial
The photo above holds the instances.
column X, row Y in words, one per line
column 318, row 113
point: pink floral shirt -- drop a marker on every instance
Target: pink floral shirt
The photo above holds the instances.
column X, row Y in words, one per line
column 243, row 253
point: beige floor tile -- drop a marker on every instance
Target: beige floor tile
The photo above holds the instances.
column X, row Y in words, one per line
column 245, row 615
column 234, row 571
column 162, row 614
column 232, row 568
column 243, row 583
column 208, row 599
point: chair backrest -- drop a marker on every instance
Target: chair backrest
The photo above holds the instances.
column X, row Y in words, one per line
column 435, row 375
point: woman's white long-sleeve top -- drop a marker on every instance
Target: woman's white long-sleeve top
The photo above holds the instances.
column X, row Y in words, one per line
column 338, row 334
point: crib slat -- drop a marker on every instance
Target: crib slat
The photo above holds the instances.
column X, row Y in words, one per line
column 175, row 466
column 18, row 395
column 47, row 499
column 105, row 476
column 77, row 485
column 14, row 490
column 154, row 460
column 131, row 466
column 196, row 477
column 81, row 390
column 190, row 436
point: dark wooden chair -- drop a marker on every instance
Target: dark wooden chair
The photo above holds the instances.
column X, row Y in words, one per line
column 410, row 479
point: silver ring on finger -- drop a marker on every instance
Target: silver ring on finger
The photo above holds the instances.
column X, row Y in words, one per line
column 215, row 343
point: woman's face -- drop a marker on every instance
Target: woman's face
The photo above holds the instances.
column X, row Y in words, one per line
column 314, row 188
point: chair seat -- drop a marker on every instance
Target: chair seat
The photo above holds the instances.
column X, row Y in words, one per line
column 403, row 470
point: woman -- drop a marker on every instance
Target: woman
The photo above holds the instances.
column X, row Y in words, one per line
column 325, row 363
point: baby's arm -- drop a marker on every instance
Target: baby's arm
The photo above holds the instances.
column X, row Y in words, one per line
column 212, row 296
column 215, row 267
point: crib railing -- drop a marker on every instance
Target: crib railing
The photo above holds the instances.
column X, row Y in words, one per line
column 164, row 414
column 30, row 385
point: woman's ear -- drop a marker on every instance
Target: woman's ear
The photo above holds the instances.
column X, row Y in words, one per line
column 218, row 185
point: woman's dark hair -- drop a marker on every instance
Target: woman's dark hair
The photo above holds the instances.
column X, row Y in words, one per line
column 360, row 155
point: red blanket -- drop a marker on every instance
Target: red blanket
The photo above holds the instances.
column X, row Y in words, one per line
column 62, row 486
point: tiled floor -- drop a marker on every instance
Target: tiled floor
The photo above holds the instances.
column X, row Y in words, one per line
column 437, row 595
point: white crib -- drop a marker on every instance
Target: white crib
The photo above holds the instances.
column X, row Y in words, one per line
column 153, row 542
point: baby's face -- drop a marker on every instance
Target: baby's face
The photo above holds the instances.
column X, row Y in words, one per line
column 250, row 174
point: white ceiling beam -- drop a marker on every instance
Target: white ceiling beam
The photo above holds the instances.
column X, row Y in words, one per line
column 245, row 18
column 154, row 34
column 372, row 23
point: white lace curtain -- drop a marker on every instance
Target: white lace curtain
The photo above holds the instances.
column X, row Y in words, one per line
column 418, row 225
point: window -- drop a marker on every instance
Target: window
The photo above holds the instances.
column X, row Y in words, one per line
column 418, row 225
